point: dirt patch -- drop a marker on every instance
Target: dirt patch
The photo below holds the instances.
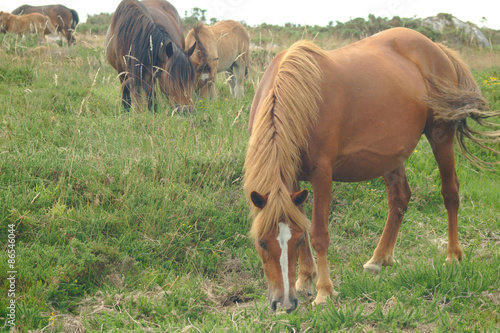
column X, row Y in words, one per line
column 230, row 290
column 494, row 297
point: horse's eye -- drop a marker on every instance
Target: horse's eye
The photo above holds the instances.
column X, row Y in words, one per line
column 262, row 244
column 301, row 240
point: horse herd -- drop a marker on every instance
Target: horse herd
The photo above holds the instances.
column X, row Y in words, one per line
column 41, row 20
column 351, row 114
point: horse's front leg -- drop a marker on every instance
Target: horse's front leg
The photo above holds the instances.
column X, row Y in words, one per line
column 398, row 196
column 308, row 271
column 212, row 88
column 126, row 99
column 321, row 181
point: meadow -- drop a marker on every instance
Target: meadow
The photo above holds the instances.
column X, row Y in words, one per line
column 136, row 221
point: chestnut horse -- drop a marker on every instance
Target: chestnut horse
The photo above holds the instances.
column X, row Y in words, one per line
column 350, row 115
column 144, row 43
column 222, row 47
column 28, row 24
column 63, row 18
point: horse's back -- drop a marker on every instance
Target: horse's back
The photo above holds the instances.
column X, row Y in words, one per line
column 166, row 15
column 29, row 23
column 232, row 41
column 373, row 111
column 24, row 9
column 61, row 16
column 376, row 89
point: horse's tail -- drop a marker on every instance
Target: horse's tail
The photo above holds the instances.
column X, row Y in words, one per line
column 75, row 20
column 281, row 132
column 457, row 102
column 49, row 25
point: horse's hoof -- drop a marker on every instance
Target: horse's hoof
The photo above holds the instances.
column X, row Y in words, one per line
column 314, row 304
column 454, row 255
column 453, row 260
column 373, row 269
column 321, row 299
column 319, row 302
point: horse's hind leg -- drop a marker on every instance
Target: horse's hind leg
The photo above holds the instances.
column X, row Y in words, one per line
column 231, row 80
column 398, row 196
column 239, row 73
column 441, row 140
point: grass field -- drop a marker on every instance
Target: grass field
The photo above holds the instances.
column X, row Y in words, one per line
column 132, row 222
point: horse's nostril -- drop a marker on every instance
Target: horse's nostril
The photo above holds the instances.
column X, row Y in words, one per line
column 294, row 304
column 274, row 305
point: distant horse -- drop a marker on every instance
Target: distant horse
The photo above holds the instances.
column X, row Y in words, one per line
column 28, row 24
column 63, row 18
column 144, row 43
column 222, row 47
column 350, row 115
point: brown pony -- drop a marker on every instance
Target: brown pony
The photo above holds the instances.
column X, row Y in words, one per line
column 28, row 24
column 222, row 47
column 144, row 43
column 63, row 18
column 350, row 115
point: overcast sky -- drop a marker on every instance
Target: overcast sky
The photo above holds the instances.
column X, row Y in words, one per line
column 309, row 12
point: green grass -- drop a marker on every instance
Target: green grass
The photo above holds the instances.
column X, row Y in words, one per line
column 136, row 221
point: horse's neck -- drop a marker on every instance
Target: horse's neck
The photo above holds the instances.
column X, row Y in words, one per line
column 9, row 19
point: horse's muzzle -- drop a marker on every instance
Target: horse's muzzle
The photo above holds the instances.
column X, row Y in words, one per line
column 288, row 306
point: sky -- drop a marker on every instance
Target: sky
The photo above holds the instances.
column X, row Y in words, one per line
column 310, row 12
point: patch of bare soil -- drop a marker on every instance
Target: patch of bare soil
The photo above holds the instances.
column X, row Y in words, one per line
column 494, row 297
column 229, row 290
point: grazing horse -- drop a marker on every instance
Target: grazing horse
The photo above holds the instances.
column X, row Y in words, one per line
column 63, row 18
column 144, row 43
column 350, row 115
column 222, row 47
column 28, row 24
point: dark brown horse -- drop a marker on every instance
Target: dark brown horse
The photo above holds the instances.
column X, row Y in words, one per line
column 351, row 114
column 63, row 18
column 144, row 43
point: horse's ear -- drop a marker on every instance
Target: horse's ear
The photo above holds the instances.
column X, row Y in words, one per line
column 169, row 49
column 258, row 200
column 191, row 50
column 298, row 198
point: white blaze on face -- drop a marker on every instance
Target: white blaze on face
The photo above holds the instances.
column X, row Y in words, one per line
column 284, row 236
column 204, row 76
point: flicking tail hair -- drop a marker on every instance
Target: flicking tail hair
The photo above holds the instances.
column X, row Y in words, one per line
column 455, row 103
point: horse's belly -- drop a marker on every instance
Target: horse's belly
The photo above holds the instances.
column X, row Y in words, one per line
column 368, row 164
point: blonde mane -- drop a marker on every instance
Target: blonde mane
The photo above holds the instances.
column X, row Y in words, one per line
column 280, row 134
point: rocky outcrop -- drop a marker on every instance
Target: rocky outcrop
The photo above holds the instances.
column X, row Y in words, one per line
column 443, row 22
